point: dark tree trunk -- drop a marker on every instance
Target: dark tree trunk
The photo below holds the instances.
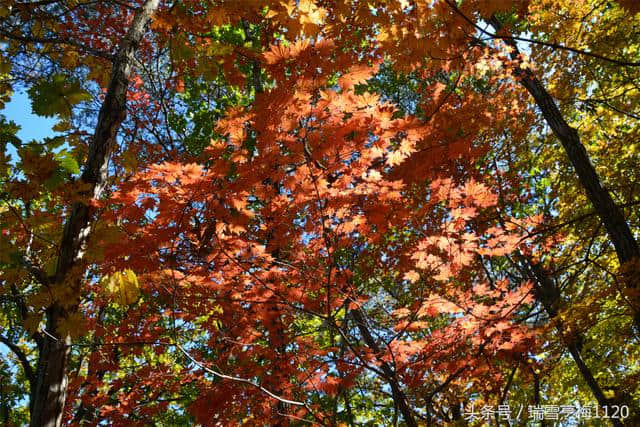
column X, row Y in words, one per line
column 399, row 397
column 49, row 391
column 611, row 216
column 548, row 294
column 536, row 393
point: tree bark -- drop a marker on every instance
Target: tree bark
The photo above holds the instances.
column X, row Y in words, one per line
column 399, row 397
column 549, row 296
column 611, row 216
column 49, row 393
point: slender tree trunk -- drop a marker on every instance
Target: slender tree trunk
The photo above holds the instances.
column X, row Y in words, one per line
column 50, row 389
column 536, row 393
column 399, row 397
column 49, row 393
column 549, row 296
column 611, row 216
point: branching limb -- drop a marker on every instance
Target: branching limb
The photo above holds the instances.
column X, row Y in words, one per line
column 22, row 357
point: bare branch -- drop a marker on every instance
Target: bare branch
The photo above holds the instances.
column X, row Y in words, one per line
column 55, row 40
column 539, row 42
column 241, row 380
column 22, row 357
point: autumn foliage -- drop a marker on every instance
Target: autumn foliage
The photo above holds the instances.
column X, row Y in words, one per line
column 326, row 212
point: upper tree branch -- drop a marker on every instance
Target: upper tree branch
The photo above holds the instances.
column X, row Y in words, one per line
column 57, row 40
column 22, row 357
column 112, row 113
column 539, row 42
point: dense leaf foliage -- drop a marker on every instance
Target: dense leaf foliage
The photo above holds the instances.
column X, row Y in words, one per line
column 328, row 212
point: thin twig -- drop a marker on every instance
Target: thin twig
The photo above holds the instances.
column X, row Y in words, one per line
column 238, row 379
column 539, row 42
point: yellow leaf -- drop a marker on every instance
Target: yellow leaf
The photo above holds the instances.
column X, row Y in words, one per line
column 5, row 65
column 123, row 287
column 270, row 14
column 37, row 29
column 50, row 266
column 412, row 276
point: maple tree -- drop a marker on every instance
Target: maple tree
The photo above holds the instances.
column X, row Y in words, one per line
column 327, row 212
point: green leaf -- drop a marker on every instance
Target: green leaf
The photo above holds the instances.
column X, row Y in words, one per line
column 68, row 162
column 56, row 96
column 8, row 131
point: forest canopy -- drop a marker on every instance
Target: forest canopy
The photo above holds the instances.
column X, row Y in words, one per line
column 317, row 212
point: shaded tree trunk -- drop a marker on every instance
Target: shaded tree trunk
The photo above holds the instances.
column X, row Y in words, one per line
column 536, row 393
column 49, row 393
column 549, row 295
column 610, row 214
column 399, row 397
column 611, row 217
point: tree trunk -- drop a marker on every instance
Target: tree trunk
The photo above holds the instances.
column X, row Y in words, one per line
column 549, row 296
column 399, row 397
column 49, row 393
column 50, row 389
column 614, row 221
column 611, row 216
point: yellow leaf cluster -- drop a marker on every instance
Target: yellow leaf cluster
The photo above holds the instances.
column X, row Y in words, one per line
column 122, row 287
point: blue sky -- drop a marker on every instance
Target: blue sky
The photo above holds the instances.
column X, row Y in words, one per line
column 33, row 127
